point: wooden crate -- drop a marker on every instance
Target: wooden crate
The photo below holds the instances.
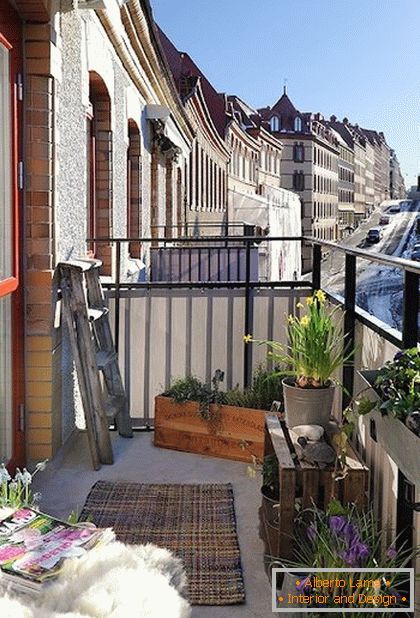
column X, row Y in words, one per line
column 178, row 426
column 298, row 479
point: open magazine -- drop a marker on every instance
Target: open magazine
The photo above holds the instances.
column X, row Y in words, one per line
column 33, row 546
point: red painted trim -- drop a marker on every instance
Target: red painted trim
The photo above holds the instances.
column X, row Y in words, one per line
column 11, row 39
column 7, row 286
column 5, row 42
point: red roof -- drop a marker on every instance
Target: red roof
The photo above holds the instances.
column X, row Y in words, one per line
column 183, row 66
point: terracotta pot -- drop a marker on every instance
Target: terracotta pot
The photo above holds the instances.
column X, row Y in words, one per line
column 307, row 406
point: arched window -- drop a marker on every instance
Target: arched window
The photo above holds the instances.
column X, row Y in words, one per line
column 275, row 123
column 298, row 124
column 99, row 162
column 134, row 197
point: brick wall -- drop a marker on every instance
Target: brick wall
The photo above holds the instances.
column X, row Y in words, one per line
column 41, row 435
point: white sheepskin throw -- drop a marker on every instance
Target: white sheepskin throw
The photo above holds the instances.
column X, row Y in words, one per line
column 114, row 581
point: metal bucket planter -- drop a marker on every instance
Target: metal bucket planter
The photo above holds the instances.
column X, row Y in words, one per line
column 307, row 406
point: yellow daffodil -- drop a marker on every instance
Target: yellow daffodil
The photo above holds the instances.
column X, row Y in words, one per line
column 299, row 306
column 305, row 321
column 320, row 296
column 291, row 319
column 309, row 301
column 247, row 338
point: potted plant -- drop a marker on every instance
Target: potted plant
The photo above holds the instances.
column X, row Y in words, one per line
column 197, row 417
column 346, row 538
column 316, row 349
column 16, row 492
column 391, row 402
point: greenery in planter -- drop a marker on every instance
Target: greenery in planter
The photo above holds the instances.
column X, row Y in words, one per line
column 398, row 384
column 191, row 388
column 316, row 344
column 342, row 538
column 266, row 387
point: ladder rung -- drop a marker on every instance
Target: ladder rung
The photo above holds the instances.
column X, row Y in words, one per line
column 114, row 405
column 81, row 265
column 104, row 358
column 96, row 314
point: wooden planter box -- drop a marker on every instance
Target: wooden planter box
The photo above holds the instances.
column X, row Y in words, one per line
column 179, row 427
column 401, row 444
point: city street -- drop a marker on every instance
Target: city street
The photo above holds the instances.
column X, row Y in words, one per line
column 379, row 288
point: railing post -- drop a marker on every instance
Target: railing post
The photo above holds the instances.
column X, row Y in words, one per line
column 410, row 326
column 248, row 318
column 316, row 266
column 349, row 324
column 117, row 296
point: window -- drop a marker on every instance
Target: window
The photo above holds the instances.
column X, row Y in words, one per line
column 298, row 153
column 298, row 181
column 275, row 123
column 6, row 266
column 298, row 124
column 99, row 164
column 133, row 187
column 11, row 332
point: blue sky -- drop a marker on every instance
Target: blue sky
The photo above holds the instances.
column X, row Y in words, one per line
column 354, row 58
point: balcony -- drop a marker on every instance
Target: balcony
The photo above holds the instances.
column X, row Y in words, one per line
column 192, row 321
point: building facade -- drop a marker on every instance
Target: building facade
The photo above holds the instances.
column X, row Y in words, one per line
column 345, row 185
column 106, row 142
column 309, row 166
column 206, row 176
column 397, row 189
column 381, row 164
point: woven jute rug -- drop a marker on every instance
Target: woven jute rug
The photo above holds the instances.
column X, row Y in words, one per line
column 196, row 522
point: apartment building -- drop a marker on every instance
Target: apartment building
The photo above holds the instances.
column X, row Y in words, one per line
column 397, row 189
column 381, row 164
column 345, row 182
column 309, row 166
column 206, row 176
column 266, row 206
column 106, row 142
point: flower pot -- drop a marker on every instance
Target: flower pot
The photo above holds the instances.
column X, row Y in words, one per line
column 307, row 406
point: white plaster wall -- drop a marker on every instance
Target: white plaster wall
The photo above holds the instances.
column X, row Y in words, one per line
column 84, row 47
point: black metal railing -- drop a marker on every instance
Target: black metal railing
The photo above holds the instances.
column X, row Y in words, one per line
column 408, row 337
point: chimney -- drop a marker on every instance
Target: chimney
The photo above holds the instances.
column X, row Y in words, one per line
column 333, row 118
column 345, row 120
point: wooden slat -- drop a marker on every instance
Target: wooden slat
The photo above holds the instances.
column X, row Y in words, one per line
column 287, row 483
column 75, row 314
column 111, row 370
column 281, row 449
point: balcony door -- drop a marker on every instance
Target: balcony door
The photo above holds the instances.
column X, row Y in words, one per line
column 11, row 357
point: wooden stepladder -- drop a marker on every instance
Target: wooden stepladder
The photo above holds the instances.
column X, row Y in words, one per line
column 102, row 391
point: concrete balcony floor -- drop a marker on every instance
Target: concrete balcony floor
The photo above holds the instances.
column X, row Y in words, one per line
column 68, row 478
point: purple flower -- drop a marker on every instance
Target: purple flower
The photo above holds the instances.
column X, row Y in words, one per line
column 350, row 532
column 305, row 585
column 337, row 523
column 356, row 555
column 311, row 532
column 363, row 552
column 391, row 553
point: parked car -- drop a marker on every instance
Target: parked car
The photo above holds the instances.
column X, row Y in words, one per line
column 415, row 255
column 394, row 209
column 384, row 220
column 374, row 235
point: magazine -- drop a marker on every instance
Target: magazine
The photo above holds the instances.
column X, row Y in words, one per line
column 34, row 545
